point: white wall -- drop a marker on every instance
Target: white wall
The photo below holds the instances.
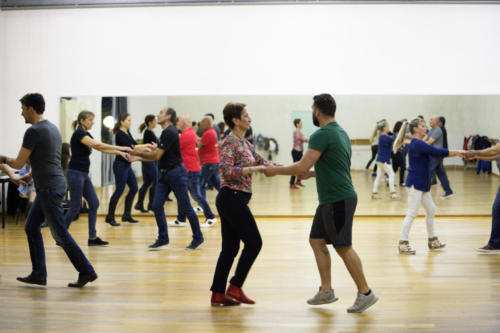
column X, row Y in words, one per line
column 3, row 146
column 231, row 50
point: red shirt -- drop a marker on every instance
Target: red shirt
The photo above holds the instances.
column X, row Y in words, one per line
column 209, row 152
column 189, row 156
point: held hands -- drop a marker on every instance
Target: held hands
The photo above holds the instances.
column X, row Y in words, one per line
column 152, row 146
column 125, row 149
column 21, row 180
column 133, row 158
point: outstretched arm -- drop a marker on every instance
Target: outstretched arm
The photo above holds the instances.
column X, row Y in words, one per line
column 301, row 167
column 104, row 147
column 19, row 161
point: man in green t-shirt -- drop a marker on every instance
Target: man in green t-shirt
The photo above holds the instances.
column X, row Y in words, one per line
column 330, row 153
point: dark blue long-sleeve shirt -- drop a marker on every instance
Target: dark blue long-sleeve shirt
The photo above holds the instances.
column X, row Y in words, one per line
column 384, row 148
column 419, row 169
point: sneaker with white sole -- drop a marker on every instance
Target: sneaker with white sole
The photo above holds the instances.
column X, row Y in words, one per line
column 447, row 195
column 488, row 249
column 208, row 223
column 395, row 196
column 376, row 196
column 198, row 209
column 322, row 297
column 434, row 244
column 177, row 223
column 405, row 248
column 363, row 302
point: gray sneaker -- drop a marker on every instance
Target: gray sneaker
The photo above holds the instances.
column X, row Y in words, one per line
column 362, row 303
column 323, row 297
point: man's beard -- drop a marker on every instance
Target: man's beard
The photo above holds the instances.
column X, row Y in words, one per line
column 315, row 120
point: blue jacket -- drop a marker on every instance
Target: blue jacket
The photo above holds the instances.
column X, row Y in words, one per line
column 384, row 148
column 419, row 169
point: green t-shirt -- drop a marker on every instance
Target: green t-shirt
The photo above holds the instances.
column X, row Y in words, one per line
column 333, row 169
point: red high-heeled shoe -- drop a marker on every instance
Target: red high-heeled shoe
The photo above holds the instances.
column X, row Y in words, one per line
column 237, row 294
column 219, row 299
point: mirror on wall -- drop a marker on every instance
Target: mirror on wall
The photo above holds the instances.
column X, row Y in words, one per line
column 272, row 121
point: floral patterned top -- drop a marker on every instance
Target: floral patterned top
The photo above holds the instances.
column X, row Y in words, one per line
column 298, row 140
column 236, row 154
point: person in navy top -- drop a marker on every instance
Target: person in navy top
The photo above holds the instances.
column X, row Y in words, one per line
column 79, row 182
column 149, row 169
column 490, row 154
column 383, row 161
column 419, row 183
column 124, row 175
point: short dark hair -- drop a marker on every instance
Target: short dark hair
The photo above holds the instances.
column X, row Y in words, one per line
column 231, row 111
column 325, row 104
column 211, row 115
column 173, row 115
column 296, row 121
column 35, row 101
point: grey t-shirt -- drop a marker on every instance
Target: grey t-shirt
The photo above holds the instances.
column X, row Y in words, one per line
column 44, row 141
column 437, row 134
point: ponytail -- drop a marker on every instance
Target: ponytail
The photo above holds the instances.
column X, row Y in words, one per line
column 121, row 117
column 149, row 118
column 83, row 115
column 400, row 138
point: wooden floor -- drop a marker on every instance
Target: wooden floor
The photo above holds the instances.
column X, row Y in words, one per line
column 272, row 197
column 457, row 290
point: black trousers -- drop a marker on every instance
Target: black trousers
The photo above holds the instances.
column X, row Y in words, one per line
column 237, row 224
column 374, row 154
column 399, row 162
column 296, row 155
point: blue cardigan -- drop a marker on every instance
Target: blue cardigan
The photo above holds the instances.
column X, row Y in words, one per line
column 384, row 148
column 419, row 169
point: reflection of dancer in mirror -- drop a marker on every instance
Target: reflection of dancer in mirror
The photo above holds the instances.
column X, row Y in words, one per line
column 374, row 147
column 385, row 142
column 42, row 145
column 124, row 175
column 173, row 177
column 490, row 154
column 330, row 153
column 187, row 141
column 79, row 182
column 298, row 150
column 419, row 183
column 238, row 160
column 149, row 169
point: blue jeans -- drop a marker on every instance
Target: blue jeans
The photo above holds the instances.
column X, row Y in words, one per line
column 48, row 203
column 495, row 225
column 150, row 178
column 80, row 186
column 124, row 175
column 209, row 174
column 437, row 166
column 194, row 189
column 175, row 180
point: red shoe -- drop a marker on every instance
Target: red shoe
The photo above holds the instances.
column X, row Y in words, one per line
column 299, row 183
column 237, row 294
column 293, row 187
column 219, row 299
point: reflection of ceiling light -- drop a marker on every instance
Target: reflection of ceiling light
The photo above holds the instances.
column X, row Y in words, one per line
column 109, row 122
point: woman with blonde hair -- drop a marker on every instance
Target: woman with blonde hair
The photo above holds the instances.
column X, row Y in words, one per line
column 385, row 143
column 418, row 183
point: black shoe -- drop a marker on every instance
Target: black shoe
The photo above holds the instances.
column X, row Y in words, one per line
column 44, row 224
column 195, row 243
column 140, row 207
column 33, row 279
column 157, row 244
column 129, row 218
column 83, row 279
column 97, row 242
column 112, row 222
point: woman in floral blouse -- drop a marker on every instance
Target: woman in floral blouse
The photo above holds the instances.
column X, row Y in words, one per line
column 238, row 160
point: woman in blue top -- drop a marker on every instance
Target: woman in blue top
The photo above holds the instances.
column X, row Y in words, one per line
column 418, row 183
column 385, row 142
column 79, row 182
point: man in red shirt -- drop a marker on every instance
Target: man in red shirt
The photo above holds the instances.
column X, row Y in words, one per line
column 189, row 156
column 209, row 156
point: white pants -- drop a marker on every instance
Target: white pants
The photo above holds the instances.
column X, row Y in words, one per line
column 384, row 168
column 415, row 197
